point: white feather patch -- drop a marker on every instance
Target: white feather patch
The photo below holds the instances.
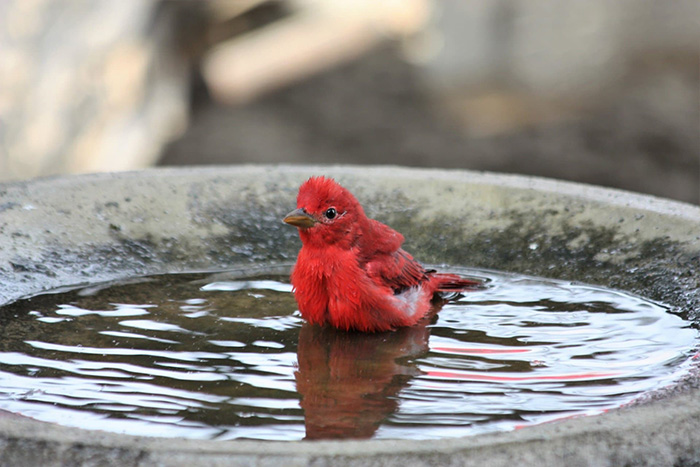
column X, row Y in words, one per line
column 410, row 300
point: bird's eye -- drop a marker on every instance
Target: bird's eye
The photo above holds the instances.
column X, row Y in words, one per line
column 330, row 213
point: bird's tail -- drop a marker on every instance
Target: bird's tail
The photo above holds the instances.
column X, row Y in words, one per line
column 452, row 283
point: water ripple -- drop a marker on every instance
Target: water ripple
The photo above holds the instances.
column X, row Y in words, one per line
column 233, row 359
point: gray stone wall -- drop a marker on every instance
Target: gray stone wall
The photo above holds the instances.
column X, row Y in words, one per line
column 594, row 91
column 87, row 86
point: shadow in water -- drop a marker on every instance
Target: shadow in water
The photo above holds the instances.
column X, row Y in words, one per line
column 349, row 381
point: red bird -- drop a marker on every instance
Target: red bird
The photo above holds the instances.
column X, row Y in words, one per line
column 351, row 272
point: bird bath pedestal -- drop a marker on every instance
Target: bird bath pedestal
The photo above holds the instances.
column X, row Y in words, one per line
column 94, row 228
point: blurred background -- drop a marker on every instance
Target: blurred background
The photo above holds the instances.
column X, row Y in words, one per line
column 596, row 91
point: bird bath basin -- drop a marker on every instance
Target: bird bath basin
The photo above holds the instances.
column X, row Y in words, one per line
column 94, row 229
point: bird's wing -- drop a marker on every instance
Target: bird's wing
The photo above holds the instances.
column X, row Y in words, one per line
column 378, row 238
column 397, row 270
column 381, row 256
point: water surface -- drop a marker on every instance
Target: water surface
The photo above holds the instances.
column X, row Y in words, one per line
column 214, row 356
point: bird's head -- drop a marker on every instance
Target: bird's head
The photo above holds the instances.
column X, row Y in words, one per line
column 326, row 213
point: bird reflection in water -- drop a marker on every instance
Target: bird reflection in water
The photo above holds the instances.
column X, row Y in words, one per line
column 349, row 381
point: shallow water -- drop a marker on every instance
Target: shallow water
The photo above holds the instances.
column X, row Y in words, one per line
column 218, row 357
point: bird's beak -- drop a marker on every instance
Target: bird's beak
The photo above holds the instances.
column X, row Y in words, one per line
column 299, row 218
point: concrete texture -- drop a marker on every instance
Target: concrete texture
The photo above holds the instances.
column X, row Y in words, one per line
column 85, row 229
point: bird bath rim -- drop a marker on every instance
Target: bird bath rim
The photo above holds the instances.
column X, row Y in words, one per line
column 93, row 228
